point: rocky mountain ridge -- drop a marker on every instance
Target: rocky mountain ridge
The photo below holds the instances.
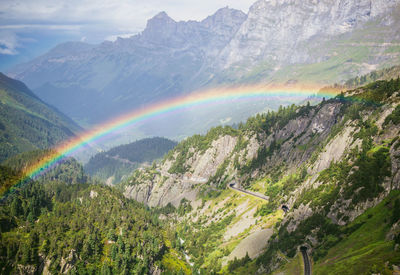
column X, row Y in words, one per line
column 328, row 164
column 285, row 42
column 160, row 62
column 274, row 29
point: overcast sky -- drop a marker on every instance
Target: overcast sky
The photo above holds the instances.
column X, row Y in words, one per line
column 31, row 27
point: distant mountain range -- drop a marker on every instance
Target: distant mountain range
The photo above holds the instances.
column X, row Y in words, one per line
column 122, row 160
column 280, row 41
column 93, row 82
column 27, row 123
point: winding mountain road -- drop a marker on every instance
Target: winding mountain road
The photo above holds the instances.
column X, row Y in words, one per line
column 303, row 249
column 258, row 195
column 306, row 260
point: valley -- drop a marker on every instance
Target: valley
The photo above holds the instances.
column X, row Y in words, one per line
column 263, row 141
column 218, row 199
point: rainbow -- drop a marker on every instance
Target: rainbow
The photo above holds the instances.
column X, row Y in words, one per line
column 211, row 96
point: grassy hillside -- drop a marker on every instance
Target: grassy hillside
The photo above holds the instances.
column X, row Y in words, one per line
column 26, row 122
column 371, row 245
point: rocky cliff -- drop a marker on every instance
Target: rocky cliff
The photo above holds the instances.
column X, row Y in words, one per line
column 113, row 77
column 328, row 164
column 307, row 137
column 285, row 42
column 274, row 29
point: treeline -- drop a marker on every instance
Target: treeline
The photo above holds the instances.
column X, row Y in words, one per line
column 261, row 123
column 358, row 81
column 123, row 159
column 79, row 228
column 384, row 74
column 27, row 123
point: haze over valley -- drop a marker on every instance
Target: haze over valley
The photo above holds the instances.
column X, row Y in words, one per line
column 173, row 137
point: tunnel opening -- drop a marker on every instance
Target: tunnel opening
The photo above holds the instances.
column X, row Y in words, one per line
column 285, row 208
column 303, row 248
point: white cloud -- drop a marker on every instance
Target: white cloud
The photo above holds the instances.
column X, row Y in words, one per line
column 116, row 36
column 92, row 21
column 39, row 26
column 8, row 43
column 123, row 15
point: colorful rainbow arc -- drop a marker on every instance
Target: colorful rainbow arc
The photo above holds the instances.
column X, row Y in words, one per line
column 168, row 106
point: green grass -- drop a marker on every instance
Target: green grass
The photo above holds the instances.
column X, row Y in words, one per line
column 294, row 266
column 364, row 251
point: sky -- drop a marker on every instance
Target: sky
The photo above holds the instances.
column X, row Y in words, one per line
column 29, row 28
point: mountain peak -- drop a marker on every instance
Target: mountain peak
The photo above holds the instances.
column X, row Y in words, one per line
column 227, row 12
column 159, row 28
column 160, row 17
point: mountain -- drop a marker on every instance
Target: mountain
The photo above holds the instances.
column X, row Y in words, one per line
column 305, row 182
column 274, row 30
column 312, row 41
column 114, row 77
column 278, row 42
column 27, row 123
column 112, row 165
column 321, row 181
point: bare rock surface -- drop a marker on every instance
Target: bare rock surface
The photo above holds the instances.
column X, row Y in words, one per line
column 254, row 244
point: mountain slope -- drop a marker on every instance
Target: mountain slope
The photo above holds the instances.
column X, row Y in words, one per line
column 114, row 77
column 26, row 122
column 276, row 28
column 325, row 41
column 59, row 225
column 328, row 164
column 330, row 173
column 120, row 161
column 283, row 41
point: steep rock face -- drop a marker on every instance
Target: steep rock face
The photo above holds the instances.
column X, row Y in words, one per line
column 162, row 187
column 207, row 164
column 170, row 58
column 315, row 139
column 210, row 35
column 298, row 139
column 274, row 28
column 305, row 134
column 327, row 164
column 113, row 77
column 335, row 149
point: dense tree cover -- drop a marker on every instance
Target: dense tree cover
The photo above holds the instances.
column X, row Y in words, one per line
column 67, row 170
column 237, row 263
column 274, row 120
column 79, row 227
column 97, row 225
column 184, row 207
column 394, row 117
column 8, row 178
column 27, row 123
column 123, row 159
